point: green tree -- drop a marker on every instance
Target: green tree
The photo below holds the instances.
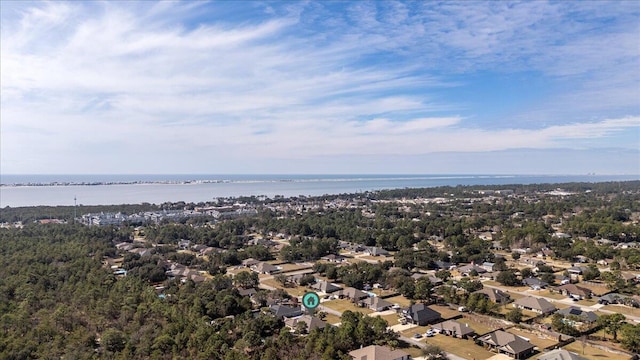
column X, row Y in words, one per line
column 507, row 278
column 612, row 323
column 631, row 337
column 515, row 316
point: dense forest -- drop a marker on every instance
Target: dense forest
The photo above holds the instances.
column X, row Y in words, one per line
column 58, row 301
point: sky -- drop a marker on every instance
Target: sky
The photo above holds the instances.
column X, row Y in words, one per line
column 304, row 87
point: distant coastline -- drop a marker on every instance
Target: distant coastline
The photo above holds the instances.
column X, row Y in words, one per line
column 65, row 190
column 239, row 179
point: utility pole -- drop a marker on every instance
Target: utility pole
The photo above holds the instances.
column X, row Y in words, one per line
column 75, row 208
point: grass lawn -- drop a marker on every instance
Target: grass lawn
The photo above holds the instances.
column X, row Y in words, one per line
column 415, row 330
column 391, row 319
column 400, row 300
column 343, row 305
column 445, row 311
column 526, row 314
column 414, row 351
column 292, row 267
column 597, row 290
column 592, row 353
column 548, row 294
column 587, row 302
column 332, row 319
column 233, row 271
column 626, row 310
column 464, row 348
column 382, row 293
column 376, row 258
column 536, row 340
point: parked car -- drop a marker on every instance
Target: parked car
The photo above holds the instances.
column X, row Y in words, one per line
column 463, row 309
column 430, row 333
column 417, row 336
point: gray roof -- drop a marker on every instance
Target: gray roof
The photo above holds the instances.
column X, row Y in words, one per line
column 507, row 342
column 454, row 327
column 376, row 302
column 326, row 287
column 285, row 311
column 539, row 304
column 531, row 281
column 494, row 295
column 422, row 314
column 587, row 316
column 311, row 321
column 560, row 354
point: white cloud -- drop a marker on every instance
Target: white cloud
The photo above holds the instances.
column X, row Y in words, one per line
column 115, row 81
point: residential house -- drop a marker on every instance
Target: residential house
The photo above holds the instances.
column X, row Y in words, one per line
column 575, row 271
column 375, row 303
column 468, row 269
column 250, row 262
column 574, row 291
column 377, row 352
column 455, row 329
column 443, row 265
column 352, row 293
column 421, row 315
column 507, row 343
column 376, row 251
column 560, row 354
column 535, row 283
column 326, row 287
column 285, row 311
column 612, row 298
column 264, row 268
column 495, row 295
column 489, row 266
column 311, row 321
column 334, row 258
column 578, row 315
column 247, row 292
column 538, row 305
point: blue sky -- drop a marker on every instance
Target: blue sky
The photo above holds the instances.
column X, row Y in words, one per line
column 320, row 87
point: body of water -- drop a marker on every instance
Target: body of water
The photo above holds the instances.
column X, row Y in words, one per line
column 157, row 189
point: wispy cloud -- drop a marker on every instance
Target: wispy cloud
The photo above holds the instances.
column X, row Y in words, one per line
column 303, row 80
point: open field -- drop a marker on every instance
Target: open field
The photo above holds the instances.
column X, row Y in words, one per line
column 293, row 291
column 537, row 340
column 343, row 305
column 463, row 348
column 626, row 310
column 481, row 327
column 592, row 353
column 400, row 300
